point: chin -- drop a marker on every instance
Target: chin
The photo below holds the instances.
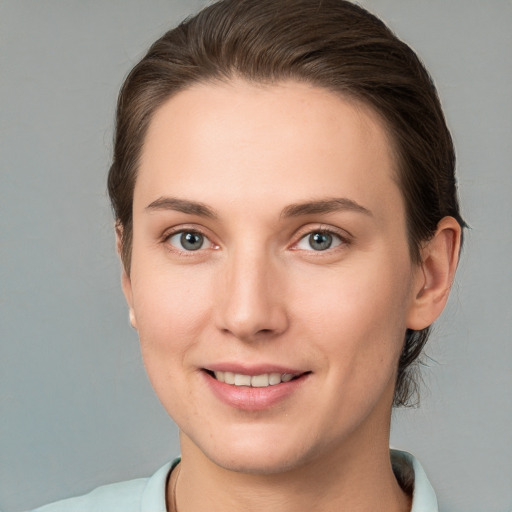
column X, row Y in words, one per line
column 258, row 452
column 261, row 463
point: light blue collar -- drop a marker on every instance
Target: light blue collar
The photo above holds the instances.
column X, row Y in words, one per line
column 423, row 498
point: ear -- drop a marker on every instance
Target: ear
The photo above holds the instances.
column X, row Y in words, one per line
column 439, row 258
column 126, row 283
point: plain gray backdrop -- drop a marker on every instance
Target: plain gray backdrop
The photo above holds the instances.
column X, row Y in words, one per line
column 76, row 408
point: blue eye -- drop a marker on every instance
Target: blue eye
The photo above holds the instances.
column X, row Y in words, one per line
column 319, row 241
column 188, row 240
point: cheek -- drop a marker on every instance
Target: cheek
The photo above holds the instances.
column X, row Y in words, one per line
column 173, row 310
column 172, row 306
column 359, row 312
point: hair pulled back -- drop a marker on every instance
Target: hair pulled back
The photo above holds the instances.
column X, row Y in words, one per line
column 333, row 44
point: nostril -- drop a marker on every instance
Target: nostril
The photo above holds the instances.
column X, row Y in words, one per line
column 250, row 321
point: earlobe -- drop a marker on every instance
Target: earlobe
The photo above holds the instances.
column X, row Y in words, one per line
column 435, row 275
column 126, row 283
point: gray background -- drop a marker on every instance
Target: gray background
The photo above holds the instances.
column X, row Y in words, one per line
column 76, row 408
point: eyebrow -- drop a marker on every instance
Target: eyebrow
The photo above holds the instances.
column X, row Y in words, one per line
column 324, row 206
column 292, row 210
column 183, row 206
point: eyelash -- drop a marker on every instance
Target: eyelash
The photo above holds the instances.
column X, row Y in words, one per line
column 186, row 231
column 336, row 237
column 341, row 240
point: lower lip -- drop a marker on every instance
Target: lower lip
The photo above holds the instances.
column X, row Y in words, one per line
column 253, row 399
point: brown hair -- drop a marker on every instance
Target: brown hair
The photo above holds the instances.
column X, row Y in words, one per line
column 333, row 44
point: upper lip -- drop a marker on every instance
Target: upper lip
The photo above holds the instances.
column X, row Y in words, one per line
column 252, row 369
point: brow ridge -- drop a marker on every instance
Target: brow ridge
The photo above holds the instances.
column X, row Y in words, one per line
column 293, row 210
column 183, row 206
column 324, row 206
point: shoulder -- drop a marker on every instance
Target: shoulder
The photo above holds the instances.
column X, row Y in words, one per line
column 124, row 496
column 139, row 495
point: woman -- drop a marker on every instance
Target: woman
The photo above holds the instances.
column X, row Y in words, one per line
column 287, row 220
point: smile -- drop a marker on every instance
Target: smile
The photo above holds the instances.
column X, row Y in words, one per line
column 256, row 381
column 257, row 388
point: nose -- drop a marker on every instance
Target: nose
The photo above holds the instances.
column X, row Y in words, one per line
column 251, row 305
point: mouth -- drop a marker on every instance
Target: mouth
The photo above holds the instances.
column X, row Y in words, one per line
column 254, row 389
column 262, row 380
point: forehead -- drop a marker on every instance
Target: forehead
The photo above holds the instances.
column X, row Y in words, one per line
column 284, row 140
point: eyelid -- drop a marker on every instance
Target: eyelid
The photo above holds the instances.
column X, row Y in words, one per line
column 187, row 228
column 345, row 237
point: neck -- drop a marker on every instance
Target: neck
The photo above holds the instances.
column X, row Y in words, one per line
column 344, row 479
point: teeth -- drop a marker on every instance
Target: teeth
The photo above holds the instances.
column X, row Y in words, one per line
column 260, row 381
column 274, row 378
column 255, row 381
column 242, row 380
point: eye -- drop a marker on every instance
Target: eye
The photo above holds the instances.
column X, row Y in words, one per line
column 319, row 241
column 189, row 241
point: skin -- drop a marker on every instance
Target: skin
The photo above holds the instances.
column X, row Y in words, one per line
column 258, row 293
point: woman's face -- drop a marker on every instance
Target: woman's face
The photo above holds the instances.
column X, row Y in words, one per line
column 270, row 244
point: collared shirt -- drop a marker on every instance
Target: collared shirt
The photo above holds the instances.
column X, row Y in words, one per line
column 148, row 494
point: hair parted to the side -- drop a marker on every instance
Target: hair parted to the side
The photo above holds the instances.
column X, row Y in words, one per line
column 333, row 44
